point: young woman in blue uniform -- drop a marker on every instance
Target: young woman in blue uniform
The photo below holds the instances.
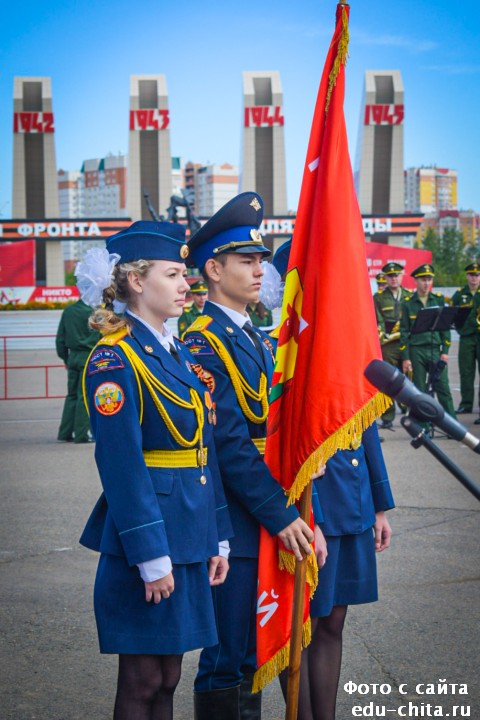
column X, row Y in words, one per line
column 353, row 495
column 161, row 523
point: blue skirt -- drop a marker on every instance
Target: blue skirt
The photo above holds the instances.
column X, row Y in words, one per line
column 349, row 576
column 127, row 624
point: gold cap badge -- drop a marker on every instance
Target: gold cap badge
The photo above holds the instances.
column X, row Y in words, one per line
column 184, row 252
column 255, row 204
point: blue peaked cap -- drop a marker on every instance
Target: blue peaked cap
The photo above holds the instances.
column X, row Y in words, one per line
column 281, row 257
column 149, row 240
column 233, row 229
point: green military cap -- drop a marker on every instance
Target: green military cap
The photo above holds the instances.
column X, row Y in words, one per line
column 199, row 288
column 473, row 268
column 392, row 268
column 380, row 278
column 425, row 270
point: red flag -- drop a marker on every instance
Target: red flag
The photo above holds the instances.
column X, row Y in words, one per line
column 320, row 400
column 17, row 263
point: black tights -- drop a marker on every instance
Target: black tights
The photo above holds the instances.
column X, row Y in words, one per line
column 320, row 668
column 145, row 688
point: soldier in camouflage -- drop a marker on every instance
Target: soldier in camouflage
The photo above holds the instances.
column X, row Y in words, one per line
column 199, row 293
column 421, row 351
column 388, row 307
column 469, row 331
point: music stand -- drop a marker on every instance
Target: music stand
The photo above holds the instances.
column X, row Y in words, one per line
column 461, row 316
column 433, row 319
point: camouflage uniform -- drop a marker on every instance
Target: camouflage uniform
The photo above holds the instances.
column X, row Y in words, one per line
column 74, row 342
column 388, row 310
column 423, row 349
column 260, row 315
column 469, row 348
column 187, row 318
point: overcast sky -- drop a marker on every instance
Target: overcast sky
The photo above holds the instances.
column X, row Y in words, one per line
column 90, row 48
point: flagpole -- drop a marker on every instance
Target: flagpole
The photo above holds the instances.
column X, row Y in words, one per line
column 291, row 712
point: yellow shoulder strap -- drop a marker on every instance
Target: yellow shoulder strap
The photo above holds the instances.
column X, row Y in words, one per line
column 201, row 323
column 113, row 338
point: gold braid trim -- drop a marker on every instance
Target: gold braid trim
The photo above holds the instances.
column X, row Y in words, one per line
column 341, row 439
column 84, row 381
column 271, row 669
column 154, row 385
column 340, row 59
column 240, row 385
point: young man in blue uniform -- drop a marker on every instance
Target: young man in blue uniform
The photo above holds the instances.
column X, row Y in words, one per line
column 228, row 250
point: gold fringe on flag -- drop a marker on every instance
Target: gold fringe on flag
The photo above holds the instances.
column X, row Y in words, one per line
column 271, row 669
column 341, row 439
column 286, row 561
column 340, row 59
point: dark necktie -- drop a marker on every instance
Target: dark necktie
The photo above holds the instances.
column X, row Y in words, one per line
column 254, row 337
column 174, row 353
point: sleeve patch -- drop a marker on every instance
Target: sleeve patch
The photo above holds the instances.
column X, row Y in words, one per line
column 198, row 345
column 104, row 359
column 109, row 398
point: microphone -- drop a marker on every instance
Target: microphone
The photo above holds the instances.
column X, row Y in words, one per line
column 392, row 382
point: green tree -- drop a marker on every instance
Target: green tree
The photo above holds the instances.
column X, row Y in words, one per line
column 449, row 256
column 473, row 253
column 70, row 278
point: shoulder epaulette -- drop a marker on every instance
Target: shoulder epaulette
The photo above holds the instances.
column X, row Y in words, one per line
column 275, row 333
column 113, row 338
column 201, row 323
column 438, row 294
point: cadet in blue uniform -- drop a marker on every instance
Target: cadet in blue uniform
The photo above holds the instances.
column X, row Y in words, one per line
column 353, row 494
column 162, row 514
column 228, row 250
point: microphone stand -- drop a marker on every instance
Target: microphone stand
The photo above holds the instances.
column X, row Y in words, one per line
column 420, row 437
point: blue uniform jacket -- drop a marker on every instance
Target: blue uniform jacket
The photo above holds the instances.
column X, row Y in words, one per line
column 147, row 512
column 254, row 497
column 355, row 486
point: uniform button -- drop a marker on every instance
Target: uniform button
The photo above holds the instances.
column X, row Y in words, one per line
column 354, row 462
column 203, row 479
